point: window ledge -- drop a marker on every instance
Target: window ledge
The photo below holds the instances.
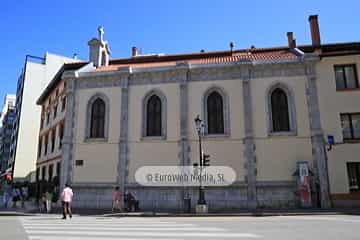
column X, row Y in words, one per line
column 90, row 140
column 348, row 89
column 215, row 136
column 152, row 138
column 351, row 141
column 279, row 134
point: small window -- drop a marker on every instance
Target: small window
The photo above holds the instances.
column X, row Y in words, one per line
column 350, row 124
column 43, row 170
column 63, row 104
column 55, row 111
column 346, row 77
column 353, row 169
column 61, row 135
column 46, row 144
column 53, row 141
column 48, row 117
column 79, row 162
column 37, row 174
column 51, row 170
column 103, row 58
column 58, row 169
column 39, row 147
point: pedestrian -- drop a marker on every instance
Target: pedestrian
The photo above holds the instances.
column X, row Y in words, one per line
column 43, row 203
column 66, row 199
column 15, row 196
column 116, row 200
column 6, row 193
column 48, row 199
column 25, row 192
column 23, row 195
column 131, row 204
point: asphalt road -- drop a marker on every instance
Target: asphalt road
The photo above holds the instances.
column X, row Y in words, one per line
column 51, row 227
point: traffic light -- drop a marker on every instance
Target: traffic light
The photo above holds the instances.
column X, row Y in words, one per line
column 206, row 160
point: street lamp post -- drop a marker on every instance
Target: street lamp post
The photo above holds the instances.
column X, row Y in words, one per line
column 199, row 128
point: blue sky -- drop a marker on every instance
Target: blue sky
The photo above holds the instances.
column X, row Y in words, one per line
column 64, row 27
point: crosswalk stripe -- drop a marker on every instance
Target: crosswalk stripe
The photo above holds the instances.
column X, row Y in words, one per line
column 70, row 228
column 91, row 228
column 111, row 225
column 146, row 234
column 37, row 237
column 86, row 221
column 69, row 222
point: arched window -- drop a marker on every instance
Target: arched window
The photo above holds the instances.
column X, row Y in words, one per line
column 153, row 116
column 97, row 124
column 280, row 111
column 97, row 117
column 215, row 113
column 103, row 58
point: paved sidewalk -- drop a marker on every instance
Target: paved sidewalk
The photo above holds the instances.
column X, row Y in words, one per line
column 245, row 212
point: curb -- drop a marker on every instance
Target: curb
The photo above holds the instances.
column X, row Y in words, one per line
column 11, row 213
column 245, row 214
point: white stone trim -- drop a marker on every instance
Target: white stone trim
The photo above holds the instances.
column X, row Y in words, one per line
column 175, row 74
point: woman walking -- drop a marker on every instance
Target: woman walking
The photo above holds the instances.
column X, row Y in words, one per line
column 48, row 199
column 116, row 200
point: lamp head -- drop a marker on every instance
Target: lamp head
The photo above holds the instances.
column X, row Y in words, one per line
column 198, row 122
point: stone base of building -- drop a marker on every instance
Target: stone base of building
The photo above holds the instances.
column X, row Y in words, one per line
column 346, row 200
column 276, row 197
column 163, row 199
column 201, row 208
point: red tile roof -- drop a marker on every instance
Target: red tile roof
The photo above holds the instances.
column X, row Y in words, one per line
column 253, row 54
column 200, row 58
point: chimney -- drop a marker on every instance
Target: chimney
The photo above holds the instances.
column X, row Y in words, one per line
column 134, row 51
column 232, row 47
column 291, row 40
column 315, row 32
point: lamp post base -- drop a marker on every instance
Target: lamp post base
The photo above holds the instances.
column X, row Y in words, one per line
column 201, row 208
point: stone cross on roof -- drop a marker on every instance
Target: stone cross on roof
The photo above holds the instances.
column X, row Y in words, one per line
column 101, row 33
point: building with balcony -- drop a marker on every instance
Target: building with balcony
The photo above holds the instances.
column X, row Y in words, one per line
column 7, row 119
column 35, row 76
column 53, row 107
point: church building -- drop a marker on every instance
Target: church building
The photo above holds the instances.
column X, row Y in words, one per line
column 264, row 112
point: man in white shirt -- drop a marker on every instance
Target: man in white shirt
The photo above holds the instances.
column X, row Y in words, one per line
column 66, row 199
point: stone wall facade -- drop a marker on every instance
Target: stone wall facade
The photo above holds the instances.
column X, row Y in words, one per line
column 167, row 199
column 125, row 149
